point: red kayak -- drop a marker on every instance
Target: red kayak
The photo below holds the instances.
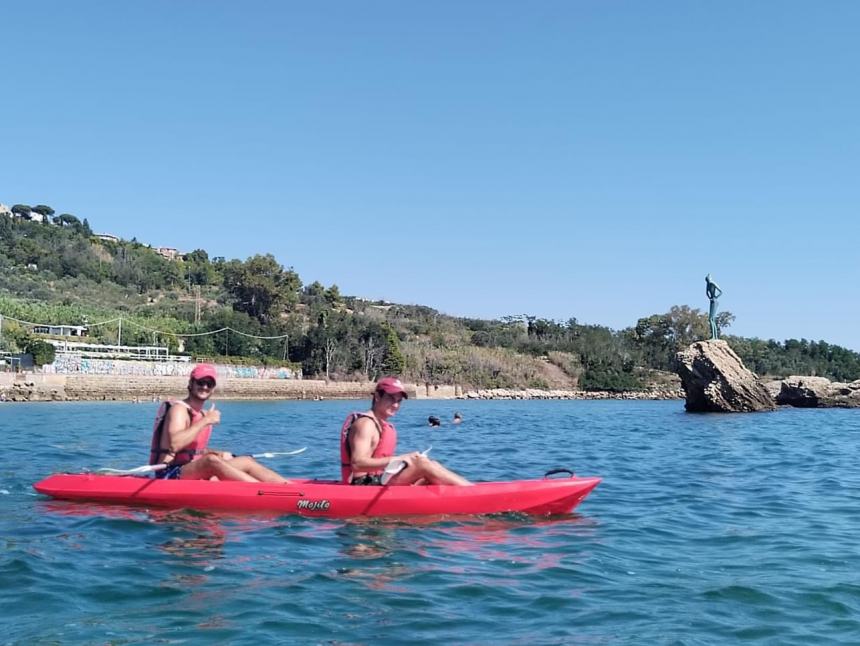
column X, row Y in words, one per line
column 324, row 498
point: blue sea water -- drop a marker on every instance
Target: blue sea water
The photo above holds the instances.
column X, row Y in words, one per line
column 707, row 529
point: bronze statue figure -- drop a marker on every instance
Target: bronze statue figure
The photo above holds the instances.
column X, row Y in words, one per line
column 713, row 292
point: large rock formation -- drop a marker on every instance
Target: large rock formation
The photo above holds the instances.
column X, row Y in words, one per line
column 818, row 392
column 715, row 380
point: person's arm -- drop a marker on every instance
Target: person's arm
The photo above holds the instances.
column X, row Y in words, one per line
column 181, row 432
column 363, row 439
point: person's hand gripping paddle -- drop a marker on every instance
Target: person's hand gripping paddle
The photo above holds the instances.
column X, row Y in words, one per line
column 396, row 466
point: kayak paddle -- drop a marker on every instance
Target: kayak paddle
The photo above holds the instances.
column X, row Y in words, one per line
column 270, row 454
column 152, row 468
column 147, row 468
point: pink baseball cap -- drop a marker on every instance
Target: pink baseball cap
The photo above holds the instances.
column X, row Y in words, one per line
column 392, row 386
column 203, row 370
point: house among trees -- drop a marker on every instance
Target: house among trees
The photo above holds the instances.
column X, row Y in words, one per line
column 38, row 213
column 168, row 252
column 5, row 210
column 61, row 330
column 31, row 215
column 105, row 351
column 107, row 237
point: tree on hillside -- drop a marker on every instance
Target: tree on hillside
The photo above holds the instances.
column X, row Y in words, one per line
column 76, row 259
column 653, row 336
column 372, row 343
column 15, row 338
column 138, row 266
column 66, row 220
column 198, row 269
column 435, row 366
column 42, row 352
column 371, row 356
column 43, row 209
column 125, row 268
column 157, row 272
column 226, row 342
column 262, row 287
column 327, row 345
column 315, row 290
column 660, row 336
column 21, row 209
column 332, row 295
column 393, row 362
column 797, row 357
column 6, row 229
column 28, row 252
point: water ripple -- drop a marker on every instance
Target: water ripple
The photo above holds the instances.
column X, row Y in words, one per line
column 707, row 529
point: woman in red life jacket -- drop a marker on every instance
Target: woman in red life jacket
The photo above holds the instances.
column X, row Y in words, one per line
column 368, row 441
column 181, row 432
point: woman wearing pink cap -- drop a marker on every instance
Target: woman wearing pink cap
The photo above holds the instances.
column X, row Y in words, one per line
column 181, row 432
column 368, row 441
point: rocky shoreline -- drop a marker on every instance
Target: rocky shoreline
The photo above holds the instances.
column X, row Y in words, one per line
column 535, row 393
column 815, row 392
column 715, row 380
column 809, row 392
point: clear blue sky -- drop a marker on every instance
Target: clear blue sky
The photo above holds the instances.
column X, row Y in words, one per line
column 584, row 159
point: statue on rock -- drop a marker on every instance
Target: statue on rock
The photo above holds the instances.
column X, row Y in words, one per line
column 715, row 380
column 713, row 291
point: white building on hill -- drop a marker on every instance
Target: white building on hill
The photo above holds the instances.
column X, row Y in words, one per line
column 61, row 330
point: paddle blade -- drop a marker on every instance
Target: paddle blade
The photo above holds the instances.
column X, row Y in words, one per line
column 148, row 468
column 272, row 454
column 394, row 467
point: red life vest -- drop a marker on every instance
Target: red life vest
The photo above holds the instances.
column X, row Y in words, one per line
column 188, row 453
column 384, row 448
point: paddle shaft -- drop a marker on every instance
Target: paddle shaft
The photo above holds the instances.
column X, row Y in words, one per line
column 152, row 468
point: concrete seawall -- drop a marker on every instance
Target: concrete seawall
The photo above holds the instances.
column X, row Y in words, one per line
column 37, row 387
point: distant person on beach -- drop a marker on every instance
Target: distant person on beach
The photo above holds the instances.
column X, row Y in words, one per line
column 181, row 432
column 713, row 292
column 434, row 421
column 457, row 418
column 368, row 442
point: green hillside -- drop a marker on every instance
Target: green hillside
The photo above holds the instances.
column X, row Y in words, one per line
column 54, row 270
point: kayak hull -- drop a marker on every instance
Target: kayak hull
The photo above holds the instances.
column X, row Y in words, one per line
column 323, row 498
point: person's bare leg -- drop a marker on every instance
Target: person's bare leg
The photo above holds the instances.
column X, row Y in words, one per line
column 256, row 470
column 211, row 465
column 425, row 469
column 437, row 474
column 408, row 476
